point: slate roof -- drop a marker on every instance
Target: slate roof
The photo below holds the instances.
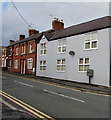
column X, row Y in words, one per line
column 85, row 27
column 35, row 36
column 93, row 25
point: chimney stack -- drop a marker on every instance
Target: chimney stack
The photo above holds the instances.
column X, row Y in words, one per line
column 21, row 37
column 11, row 42
column 57, row 24
column 33, row 31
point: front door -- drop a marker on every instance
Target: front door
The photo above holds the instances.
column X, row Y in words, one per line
column 23, row 66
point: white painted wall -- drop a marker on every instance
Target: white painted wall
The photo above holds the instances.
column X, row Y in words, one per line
column 99, row 59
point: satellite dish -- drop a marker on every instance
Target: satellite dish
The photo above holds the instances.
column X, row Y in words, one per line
column 72, row 53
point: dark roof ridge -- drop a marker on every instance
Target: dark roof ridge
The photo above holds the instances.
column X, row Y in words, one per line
column 95, row 24
column 34, row 36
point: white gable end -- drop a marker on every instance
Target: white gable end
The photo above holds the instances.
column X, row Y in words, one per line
column 43, row 39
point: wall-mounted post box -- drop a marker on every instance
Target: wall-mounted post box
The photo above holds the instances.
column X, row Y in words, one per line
column 90, row 72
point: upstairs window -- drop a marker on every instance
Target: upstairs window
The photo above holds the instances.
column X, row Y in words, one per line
column 43, row 49
column 42, row 65
column 61, row 65
column 91, row 41
column 61, row 46
column 10, row 51
column 3, row 52
column 30, row 48
column 84, row 64
column 23, row 49
column 16, row 52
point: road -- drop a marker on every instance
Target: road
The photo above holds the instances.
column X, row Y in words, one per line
column 53, row 101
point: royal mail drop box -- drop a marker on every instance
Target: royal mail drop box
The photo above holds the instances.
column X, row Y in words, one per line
column 90, row 72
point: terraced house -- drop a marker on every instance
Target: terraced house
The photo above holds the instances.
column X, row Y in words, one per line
column 79, row 53
column 21, row 54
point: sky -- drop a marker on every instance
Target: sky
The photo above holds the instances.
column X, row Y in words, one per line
column 40, row 16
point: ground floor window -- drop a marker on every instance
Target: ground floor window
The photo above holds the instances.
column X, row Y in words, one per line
column 42, row 65
column 61, row 65
column 30, row 63
column 84, row 64
column 3, row 62
column 16, row 64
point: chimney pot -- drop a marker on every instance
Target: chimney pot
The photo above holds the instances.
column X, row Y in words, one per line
column 33, row 31
column 11, row 42
column 57, row 24
column 21, row 37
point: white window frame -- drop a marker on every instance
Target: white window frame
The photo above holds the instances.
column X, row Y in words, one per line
column 10, row 51
column 61, row 45
column 3, row 52
column 29, row 60
column 43, row 49
column 61, row 65
column 91, row 40
column 42, row 65
column 16, row 64
column 84, row 64
column 23, row 49
column 3, row 62
column 30, row 48
column 16, row 51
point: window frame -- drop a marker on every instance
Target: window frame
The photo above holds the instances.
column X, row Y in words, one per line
column 61, row 46
column 16, row 64
column 91, row 40
column 16, row 51
column 83, row 64
column 10, row 52
column 30, row 48
column 43, row 49
column 23, row 49
column 42, row 65
column 61, row 60
column 28, row 60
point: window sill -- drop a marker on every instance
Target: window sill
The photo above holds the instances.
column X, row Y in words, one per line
column 9, row 67
column 90, row 49
column 42, row 70
column 82, row 71
column 23, row 53
column 9, row 55
column 61, row 52
column 29, row 68
column 60, row 71
column 43, row 55
column 30, row 52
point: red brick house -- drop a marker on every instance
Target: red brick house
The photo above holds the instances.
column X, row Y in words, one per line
column 3, row 57
column 21, row 54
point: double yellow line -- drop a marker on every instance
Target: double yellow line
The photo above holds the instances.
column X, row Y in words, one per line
column 27, row 107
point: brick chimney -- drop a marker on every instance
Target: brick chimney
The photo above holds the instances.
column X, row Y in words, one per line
column 33, row 31
column 57, row 24
column 21, row 37
column 11, row 42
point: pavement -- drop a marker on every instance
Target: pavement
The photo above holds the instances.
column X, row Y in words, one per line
column 14, row 114
column 80, row 86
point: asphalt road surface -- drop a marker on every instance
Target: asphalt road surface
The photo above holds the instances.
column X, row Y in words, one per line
column 55, row 101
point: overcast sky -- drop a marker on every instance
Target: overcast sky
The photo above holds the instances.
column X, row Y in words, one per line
column 40, row 15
